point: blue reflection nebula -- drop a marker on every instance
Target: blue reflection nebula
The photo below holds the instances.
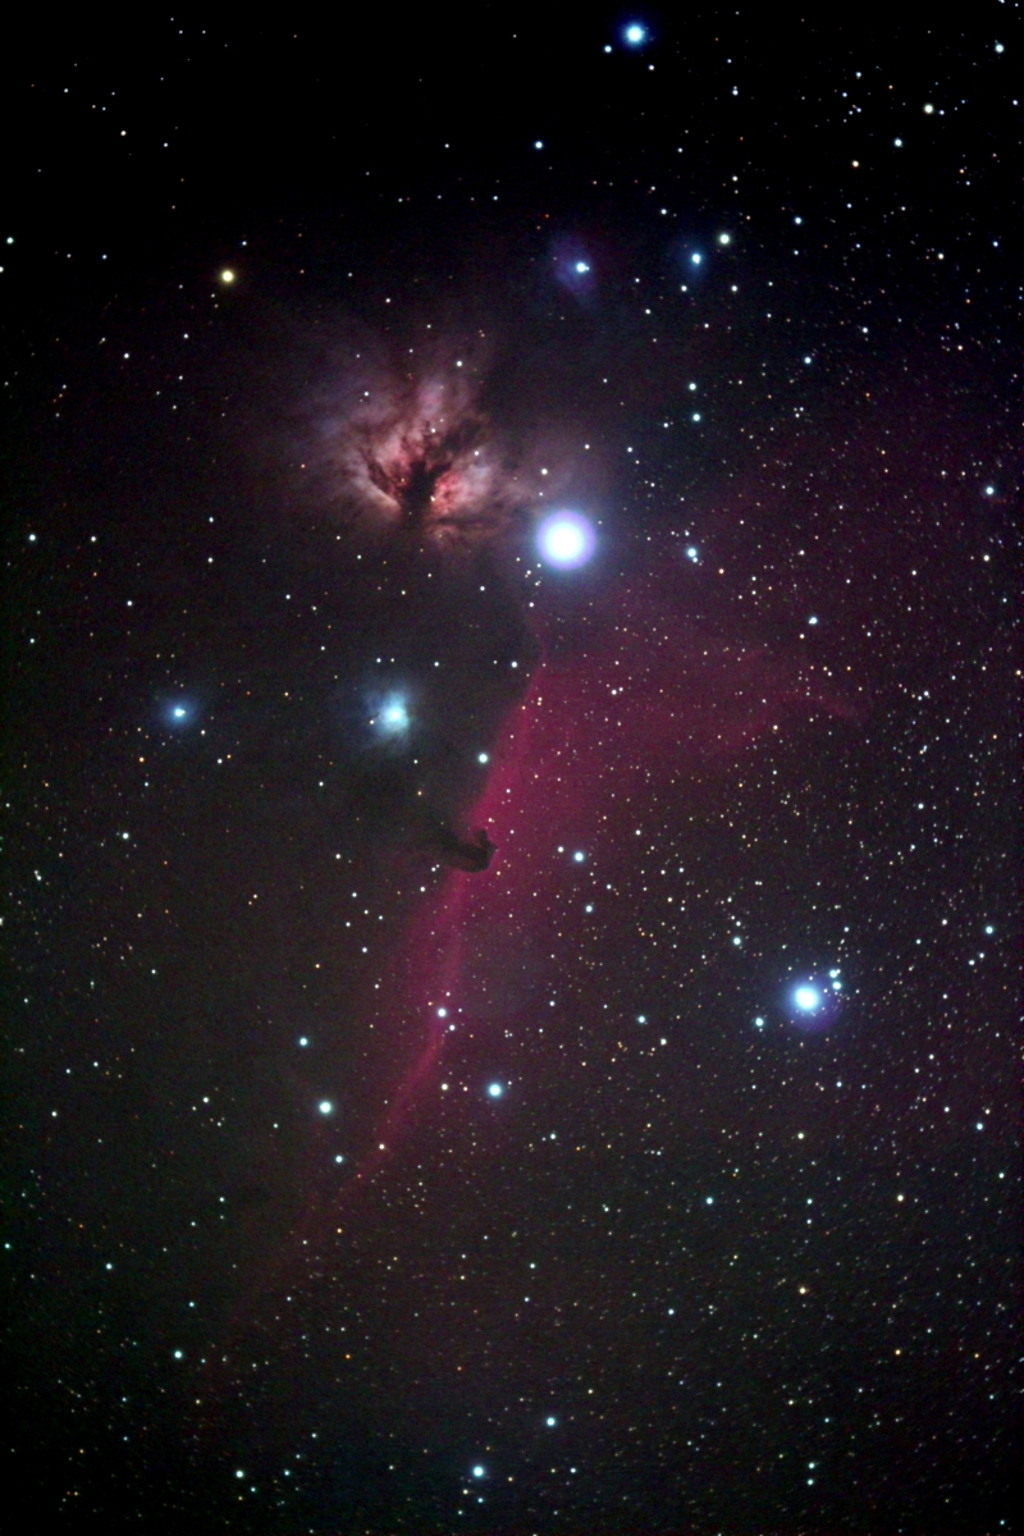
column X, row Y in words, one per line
column 178, row 713
column 392, row 716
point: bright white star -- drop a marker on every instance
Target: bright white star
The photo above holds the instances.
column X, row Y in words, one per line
column 566, row 539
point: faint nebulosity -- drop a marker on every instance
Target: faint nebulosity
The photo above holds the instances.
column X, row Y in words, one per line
column 512, row 775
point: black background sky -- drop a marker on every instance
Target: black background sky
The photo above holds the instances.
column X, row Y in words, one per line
column 348, row 1189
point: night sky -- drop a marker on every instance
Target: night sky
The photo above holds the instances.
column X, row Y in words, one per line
column 510, row 771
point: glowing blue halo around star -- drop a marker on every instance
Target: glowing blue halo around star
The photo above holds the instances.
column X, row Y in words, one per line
column 391, row 718
column 178, row 713
column 814, row 1004
column 566, row 540
column 635, row 34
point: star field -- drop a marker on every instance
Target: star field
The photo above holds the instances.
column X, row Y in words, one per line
column 512, row 774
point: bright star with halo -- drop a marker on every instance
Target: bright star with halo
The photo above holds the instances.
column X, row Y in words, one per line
column 566, row 540
column 178, row 712
column 391, row 719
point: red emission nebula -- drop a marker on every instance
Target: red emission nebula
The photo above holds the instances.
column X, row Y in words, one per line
column 637, row 715
column 634, row 707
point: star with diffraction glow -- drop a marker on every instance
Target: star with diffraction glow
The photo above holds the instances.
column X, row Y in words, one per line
column 566, row 540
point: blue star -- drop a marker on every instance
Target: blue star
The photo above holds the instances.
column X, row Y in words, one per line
column 392, row 717
column 635, row 35
column 566, row 539
column 178, row 712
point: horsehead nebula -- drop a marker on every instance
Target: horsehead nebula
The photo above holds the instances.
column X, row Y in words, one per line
column 551, row 685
